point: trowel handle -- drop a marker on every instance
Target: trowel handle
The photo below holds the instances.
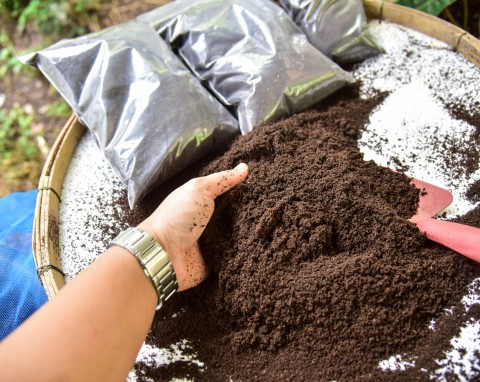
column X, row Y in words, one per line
column 461, row 238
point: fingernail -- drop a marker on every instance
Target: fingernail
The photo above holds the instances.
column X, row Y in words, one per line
column 241, row 167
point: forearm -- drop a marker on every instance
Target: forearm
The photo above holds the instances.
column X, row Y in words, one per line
column 92, row 330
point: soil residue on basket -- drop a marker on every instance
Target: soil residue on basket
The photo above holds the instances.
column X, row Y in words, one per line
column 316, row 274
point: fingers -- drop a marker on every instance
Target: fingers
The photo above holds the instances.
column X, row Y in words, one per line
column 216, row 184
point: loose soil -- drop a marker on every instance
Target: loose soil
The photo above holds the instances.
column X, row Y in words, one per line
column 316, row 274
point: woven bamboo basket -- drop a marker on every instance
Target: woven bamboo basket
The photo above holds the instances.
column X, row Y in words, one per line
column 46, row 221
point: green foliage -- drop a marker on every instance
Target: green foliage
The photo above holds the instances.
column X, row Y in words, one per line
column 19, row 148
column 9, row 62
column 59, row 109
column 53, row 17
column 17, row 140
column 11, row 6
column 461, row 13
column 434, row 7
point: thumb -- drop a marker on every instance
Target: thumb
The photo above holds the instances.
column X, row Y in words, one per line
column 216, row 184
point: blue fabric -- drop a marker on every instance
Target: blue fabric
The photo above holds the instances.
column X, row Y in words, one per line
column 21, row 293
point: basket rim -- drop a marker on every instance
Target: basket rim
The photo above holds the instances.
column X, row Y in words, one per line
column 45, row 228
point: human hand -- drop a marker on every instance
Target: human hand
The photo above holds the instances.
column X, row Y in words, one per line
column 182, row 217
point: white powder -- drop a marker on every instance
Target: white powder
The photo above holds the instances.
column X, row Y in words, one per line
column 152, row 356
column 397, row 362
column 461, row 361
column 425, row 80
column 423, row 77
column 413, row 57
column 91, row 191
column 407, row 130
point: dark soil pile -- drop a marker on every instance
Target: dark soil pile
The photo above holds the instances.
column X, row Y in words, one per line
column 316, row 273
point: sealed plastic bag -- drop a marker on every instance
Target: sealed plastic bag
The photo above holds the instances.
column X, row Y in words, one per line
column 149, row 114
column 250, row 54
column 336, row 27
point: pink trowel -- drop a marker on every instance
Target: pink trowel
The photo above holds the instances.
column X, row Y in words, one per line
column 461, row 238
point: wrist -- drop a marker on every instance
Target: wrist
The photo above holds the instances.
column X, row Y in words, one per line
column 154, row 233
column 153, row 258
column 130, row 269
column 148, row 225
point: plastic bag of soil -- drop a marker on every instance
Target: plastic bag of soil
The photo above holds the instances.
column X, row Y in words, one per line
column 250, row 54
column 151, row 117
column 338, row 28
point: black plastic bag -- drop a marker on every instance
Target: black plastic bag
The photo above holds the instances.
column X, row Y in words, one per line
column 250, row 54
column 149, row 114
column 335, row 27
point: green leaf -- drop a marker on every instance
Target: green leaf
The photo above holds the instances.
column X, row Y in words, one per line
column 434, row 7
column 4, row 54
column 58, row 110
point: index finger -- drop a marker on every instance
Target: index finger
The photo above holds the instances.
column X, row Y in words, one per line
column 216, row 184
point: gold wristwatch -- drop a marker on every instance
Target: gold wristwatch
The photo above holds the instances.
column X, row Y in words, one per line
column 153, row 259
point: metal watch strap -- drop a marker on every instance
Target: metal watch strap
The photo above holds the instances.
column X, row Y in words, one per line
column 153, row 259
